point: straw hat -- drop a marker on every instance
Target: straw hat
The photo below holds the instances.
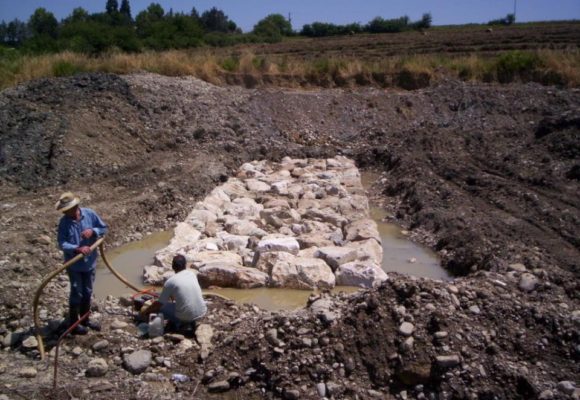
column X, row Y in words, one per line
column 66, row 201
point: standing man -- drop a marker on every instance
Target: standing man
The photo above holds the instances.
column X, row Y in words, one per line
column 78, row 229
column 183, row 287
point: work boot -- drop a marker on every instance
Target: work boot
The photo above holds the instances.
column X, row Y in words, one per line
column 74, row 317
column 95, row 326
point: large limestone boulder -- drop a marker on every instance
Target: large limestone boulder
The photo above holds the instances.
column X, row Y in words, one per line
column 362, row 229
column 302, row 273
column 314, row 240
column 335, row 256
column 266, row 261
column 243, row 208
column 184, row 236
column 362, row 274
column 280, row 216
column 276, row 202
column 244, row 228
column 235, row 188
column 156, row 276
column 233, row 242
column 368, row 250
column 231, row 275
column 257, row 186
column 199, row 218
column 327, row 215
column 286, row 244
column 199, row 259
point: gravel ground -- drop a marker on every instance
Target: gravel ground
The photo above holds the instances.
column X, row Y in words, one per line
column 486, row 175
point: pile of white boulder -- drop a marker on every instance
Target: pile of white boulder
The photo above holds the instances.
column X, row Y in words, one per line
column 300, row 223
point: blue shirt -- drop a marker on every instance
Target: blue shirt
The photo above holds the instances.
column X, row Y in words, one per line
column 69, row 238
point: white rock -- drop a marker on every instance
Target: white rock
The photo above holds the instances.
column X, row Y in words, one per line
column 257, row 186
column 232, row 275
column 28, row 372
column 199, row 259
column 97, row 367
column 406, row 329
column 287, row 244
column 448, row 361
column 517, row 267
column 335, row 256
column 361, row 274
column 361, row 230
column 204, row 335
column 302, row 273
column 528, row 282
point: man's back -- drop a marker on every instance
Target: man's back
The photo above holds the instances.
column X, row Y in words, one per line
column 185, row 290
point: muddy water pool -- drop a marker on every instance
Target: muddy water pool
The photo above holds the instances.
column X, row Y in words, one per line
column 399, row 253
column 130, row 259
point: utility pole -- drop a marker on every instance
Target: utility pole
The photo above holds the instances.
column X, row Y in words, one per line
column 515, row 8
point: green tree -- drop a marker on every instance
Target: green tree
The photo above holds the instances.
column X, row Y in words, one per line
column 14, row 33
column 112, row 7
column 274, row 25
column 215, row 20
column 146, row 18
column 79, row 14
column 125, row 10
column 43, row 23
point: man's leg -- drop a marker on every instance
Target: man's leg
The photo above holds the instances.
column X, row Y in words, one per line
column 168, row 311
column 87, row 293
column 74, row 301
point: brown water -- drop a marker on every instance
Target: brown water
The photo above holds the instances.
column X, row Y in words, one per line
column 399, row 253
column 130, row 259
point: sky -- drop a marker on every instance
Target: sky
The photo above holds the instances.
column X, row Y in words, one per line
column 245, row 13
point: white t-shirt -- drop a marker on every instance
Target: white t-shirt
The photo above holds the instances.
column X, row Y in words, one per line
column 185, row 290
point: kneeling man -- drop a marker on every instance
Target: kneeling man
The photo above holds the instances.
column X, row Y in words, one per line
column 183, row 287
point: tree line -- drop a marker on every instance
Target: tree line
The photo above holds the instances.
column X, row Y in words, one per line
column 377, row 25
column 158, row 29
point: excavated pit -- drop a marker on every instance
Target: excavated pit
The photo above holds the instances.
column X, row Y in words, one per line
column 399, row 254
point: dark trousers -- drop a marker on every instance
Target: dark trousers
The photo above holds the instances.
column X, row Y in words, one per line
column 81, row 287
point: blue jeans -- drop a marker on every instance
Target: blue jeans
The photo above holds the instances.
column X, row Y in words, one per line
column 81, row 287
column 168, row 311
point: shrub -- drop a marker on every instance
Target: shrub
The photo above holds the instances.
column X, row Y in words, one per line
column 65, row 68
column 230, row 64
column 516, row 64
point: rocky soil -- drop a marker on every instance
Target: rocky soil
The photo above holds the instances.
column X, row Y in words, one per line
column 486, row 175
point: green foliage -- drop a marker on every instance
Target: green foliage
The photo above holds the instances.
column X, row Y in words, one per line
column 215, row 20
column 273, row 27
column 377, row 25
column 112, row 7
column 89, row 37
column 65, row 68
column 230, row 64
column 508, row 20
column 13, row 33
column 125, row 10
column 424, row 22
column 380, row 25
column 43, row 22
column 516, row 64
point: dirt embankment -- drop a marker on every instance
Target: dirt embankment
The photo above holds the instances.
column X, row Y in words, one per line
column 487, row 175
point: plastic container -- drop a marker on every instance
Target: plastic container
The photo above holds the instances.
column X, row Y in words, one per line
column 156, row 324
